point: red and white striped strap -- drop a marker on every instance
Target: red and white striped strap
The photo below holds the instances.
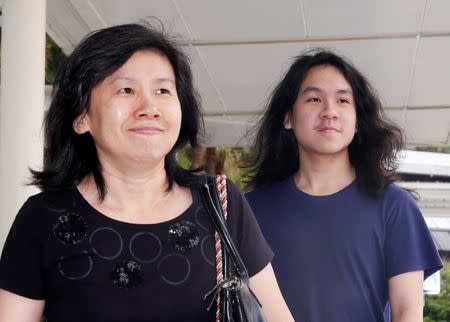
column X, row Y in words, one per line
column 221, row 182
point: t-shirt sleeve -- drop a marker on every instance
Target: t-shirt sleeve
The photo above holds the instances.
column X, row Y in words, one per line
column 21, row 259
column 245, row 231
column 408, row 243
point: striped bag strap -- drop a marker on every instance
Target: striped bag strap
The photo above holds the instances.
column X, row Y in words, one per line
column 221, row 183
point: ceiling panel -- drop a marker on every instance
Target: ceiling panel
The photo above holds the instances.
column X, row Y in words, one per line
column 87, row 11
column 427, row 126
column 211, row 101
column 239, row 51
column 134, row 11
column 65, row 25
column 431, row 80
column 362, row 17
column 437, row 16
column 387, row 63
column 236, row 20
column 245, row 75
column 397, row 116
column 220, row 131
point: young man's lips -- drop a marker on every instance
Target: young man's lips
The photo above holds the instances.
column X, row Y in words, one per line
column 328, row 129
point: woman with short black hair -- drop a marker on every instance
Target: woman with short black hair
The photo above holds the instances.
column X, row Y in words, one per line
column 120, row 232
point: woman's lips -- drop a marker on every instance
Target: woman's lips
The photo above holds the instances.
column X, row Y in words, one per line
column 146, row 130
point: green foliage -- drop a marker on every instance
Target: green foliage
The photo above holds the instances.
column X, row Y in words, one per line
column 437, row 307
column 232, row 161
column 54, row 57
column 228, row 161
column 184, row 157
column 439, row 149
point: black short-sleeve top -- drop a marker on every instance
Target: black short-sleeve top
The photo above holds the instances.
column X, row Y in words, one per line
column 89, row 267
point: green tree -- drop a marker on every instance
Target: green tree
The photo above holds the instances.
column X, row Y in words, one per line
column 54, row 57
column 226, row 161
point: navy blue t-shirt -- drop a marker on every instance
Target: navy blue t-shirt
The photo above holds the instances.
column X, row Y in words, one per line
column 334, row 254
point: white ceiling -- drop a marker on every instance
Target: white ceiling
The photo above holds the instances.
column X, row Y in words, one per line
column 240, row 49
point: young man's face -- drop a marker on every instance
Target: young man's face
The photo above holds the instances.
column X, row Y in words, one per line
column 323, row 117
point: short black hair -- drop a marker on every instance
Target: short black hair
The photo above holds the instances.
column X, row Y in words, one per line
column 372, row 151
column 70, row 157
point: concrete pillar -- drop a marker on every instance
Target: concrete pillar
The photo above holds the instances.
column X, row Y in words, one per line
column 21, row 103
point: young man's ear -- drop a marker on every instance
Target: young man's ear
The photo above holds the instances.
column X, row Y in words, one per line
column 287, row 121
column 80, row 124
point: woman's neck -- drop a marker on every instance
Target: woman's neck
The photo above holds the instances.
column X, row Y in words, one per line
column 136, row 197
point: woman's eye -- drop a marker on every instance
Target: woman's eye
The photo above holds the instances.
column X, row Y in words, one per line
column 162, row 91
column 313, row 99
column 126, row 90
column 343, row 100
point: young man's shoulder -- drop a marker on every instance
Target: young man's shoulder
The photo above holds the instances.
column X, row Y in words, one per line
column 268, row 190
column 394, row 193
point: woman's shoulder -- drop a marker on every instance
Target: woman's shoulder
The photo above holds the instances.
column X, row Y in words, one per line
column 52, row 200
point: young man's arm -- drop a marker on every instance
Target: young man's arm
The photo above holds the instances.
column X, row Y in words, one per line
column 264, row 285
column 406, row 297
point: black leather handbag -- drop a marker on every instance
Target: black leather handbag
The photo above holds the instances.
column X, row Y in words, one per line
column 235, row 302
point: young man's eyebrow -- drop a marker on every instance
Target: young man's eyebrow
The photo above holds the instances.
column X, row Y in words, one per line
column 344, row 91
column 312, row 89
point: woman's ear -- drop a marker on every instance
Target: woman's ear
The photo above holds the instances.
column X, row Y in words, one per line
column 80, row 125
column 287, row 121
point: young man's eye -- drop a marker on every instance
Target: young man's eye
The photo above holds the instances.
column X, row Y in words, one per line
column 162, row 91
column 126, row 90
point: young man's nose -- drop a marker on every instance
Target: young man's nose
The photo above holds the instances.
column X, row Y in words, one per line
column 329, row 109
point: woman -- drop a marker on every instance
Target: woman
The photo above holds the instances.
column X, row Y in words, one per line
column 119, row 232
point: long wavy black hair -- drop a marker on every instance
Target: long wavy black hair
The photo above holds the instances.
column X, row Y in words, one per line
column 372, row 151
column 70, row 157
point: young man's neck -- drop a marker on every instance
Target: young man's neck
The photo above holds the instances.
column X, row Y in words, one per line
column 323, row 175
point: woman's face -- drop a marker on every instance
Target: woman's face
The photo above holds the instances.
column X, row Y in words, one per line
column 134, row 114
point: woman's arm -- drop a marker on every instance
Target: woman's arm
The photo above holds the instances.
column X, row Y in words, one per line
column 265, row 287
column 16, row 308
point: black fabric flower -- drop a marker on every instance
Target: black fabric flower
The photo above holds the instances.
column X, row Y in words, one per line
column 183, row 235
column 127, row 274
column 70, row 228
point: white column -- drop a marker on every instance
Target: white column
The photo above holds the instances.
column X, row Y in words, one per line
column 21, row 103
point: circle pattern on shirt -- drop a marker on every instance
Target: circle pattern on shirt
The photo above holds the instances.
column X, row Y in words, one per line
column 58, row 205
column 141, row 245
column 183, row 235
column 70, row 228
column 106, row 242
column 75, row 267
column 202, row 219
column 208, row 253
column 127, row 274
column 169, row 274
